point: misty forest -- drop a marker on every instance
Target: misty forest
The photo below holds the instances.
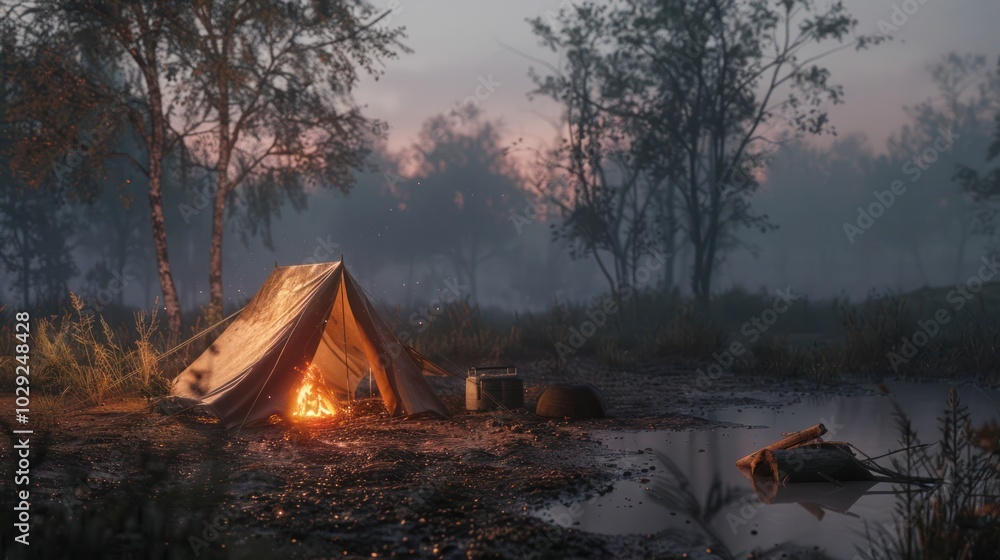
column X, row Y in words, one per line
column 560, row 279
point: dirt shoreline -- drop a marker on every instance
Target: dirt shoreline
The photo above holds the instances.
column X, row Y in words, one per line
column 122, row 479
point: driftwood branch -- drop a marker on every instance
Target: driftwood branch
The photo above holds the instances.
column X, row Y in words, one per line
column 798, row 438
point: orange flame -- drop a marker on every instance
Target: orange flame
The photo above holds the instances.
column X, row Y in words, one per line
column 313, row 399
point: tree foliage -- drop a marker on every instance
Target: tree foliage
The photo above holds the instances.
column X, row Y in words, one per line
column 685, row 96
column 268, row 100
column 462, row 194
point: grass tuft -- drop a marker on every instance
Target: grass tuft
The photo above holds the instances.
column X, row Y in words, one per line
column 958, row 518
column 82, row 357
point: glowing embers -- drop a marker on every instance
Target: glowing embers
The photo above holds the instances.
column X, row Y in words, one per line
column 314, row 399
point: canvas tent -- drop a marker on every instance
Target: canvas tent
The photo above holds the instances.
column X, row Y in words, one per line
column 308, row 323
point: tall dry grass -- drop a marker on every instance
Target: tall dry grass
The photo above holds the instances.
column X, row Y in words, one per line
column 813, row 340
column 957, row 518
column 459, row 334
column 80, row 356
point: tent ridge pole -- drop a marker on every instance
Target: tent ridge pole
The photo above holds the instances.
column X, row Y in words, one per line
column 343, row 325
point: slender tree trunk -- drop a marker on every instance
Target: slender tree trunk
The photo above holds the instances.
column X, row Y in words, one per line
column 669, row 239
column 698, row 273
column 215, row 252
column 156, row 145
column 221, row 195
column 695, row 231
column 170, row 301
column 707, row 268
column 712, row 234
column 613, row 285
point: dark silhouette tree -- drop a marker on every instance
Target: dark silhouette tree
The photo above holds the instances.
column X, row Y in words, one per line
column 693, row 88
column 605, row 192
column 113, row 56
column 36, row 232
column 984, row 185
column 943, row 131
column 459, row 202
column 36, row 229
column 113, row 233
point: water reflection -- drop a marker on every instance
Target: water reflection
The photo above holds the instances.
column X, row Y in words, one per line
column 817, row 498
column 683, row 485
column 671, row 489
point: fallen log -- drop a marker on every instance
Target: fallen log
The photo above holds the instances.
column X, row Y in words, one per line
column 819, row 463
column 798, row 438
column 818, row 475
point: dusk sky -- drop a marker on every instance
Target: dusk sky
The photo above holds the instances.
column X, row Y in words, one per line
column 456, row 43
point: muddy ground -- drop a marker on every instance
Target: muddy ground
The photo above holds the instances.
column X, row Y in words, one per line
column 124, row 481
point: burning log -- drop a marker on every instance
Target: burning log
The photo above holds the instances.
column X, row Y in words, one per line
column 798, row 438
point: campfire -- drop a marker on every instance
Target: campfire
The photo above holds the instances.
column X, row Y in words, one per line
column 313, row 400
